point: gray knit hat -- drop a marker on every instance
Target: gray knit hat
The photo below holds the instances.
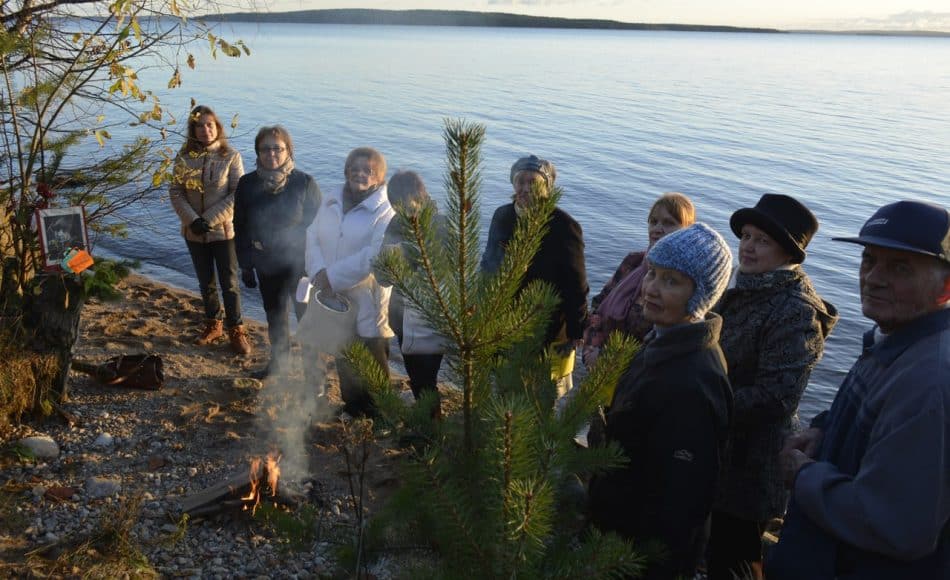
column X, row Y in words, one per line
column 534, row 163
column 700, row 253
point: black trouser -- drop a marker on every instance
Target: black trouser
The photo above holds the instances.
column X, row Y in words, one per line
column 220, row 256
column 353, row 391
column 735, row 547
column 423, row 369
column 277, row 293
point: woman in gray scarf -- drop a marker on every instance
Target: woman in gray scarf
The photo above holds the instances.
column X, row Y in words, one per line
column 272, row 208
column 773, row 334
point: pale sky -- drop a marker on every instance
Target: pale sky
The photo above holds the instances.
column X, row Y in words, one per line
column 825, row 14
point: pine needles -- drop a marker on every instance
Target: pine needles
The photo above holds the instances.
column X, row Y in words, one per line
column 491, row 493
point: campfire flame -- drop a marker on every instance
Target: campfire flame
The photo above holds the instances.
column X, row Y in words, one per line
column 261, row 470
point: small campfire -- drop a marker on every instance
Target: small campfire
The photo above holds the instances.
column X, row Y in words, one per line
column 262, row 470
column 244, row 491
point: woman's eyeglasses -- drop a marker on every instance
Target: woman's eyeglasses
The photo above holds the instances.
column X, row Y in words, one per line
column 273, row 149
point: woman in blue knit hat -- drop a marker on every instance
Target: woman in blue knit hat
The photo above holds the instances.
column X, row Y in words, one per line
column 672, row 408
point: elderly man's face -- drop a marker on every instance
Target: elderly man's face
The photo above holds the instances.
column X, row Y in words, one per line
column 898, row 287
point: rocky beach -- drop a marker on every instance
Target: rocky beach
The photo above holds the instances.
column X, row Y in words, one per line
column 97, row 488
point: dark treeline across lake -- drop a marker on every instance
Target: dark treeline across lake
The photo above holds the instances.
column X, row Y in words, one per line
column 367, row 16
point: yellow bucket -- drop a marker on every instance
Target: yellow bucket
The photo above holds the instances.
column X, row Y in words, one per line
column 561, row 366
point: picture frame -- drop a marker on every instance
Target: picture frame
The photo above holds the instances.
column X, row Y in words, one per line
column 60, row 230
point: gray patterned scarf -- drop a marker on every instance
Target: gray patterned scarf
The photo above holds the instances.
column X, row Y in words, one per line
column 275, row 179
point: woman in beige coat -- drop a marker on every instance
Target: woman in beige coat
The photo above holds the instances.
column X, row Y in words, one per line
column 206, row 175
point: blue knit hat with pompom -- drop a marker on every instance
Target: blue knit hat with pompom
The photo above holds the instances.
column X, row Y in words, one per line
column 703, row 255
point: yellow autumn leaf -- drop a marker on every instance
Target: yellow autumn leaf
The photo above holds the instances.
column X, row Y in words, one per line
column 101, row 136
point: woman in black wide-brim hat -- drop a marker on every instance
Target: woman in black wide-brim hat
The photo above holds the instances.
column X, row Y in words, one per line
column 774, row 329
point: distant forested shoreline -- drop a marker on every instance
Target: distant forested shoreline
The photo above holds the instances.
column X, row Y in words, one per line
column 461, row 18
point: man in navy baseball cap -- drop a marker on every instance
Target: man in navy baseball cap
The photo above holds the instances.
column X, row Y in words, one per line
column 870, row 480
column 912, row 226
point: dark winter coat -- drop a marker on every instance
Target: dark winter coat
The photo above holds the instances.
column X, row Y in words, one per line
column 559, row 261
column 270, row 228
column 875, row 505
column 773, row 334
column 670, row 414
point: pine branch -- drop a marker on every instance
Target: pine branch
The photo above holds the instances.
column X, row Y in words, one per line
column 598, row 387
column 463, row 146
column 598, row 556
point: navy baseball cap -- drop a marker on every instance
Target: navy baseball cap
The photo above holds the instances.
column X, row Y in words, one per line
column 912, row 226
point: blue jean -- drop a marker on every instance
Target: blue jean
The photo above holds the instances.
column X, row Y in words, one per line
column 221, row 257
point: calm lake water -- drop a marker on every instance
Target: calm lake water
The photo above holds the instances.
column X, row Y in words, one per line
column 844, row 123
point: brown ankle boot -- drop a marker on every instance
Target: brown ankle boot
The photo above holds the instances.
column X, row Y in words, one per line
column 213, row 330
column 239, row 340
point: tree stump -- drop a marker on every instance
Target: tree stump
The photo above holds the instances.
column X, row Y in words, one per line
column 9, row 290
column 51, row 313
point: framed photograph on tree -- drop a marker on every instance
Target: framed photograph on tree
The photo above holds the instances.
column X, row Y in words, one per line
column 61, row 230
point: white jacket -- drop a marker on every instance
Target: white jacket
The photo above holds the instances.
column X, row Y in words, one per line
column 417, row 336
column 346, row 245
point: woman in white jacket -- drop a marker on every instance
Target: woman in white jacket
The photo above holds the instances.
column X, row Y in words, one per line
column 342, row 243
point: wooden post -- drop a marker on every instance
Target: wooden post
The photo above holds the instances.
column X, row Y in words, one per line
column 9, row 287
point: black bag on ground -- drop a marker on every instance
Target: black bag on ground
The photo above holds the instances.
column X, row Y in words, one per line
column 135, row 371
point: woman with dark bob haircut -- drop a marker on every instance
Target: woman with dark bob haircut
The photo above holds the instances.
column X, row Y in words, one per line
column 273, row 207
column 206, row 174
column 421, row 346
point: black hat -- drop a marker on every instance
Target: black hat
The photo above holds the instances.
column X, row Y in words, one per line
column 912, row 226
column 784, row 218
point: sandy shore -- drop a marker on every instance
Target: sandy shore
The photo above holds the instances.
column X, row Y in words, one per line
column 159, row 448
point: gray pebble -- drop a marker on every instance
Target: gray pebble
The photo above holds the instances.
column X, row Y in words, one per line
column 41, row 446
column 104, row 440
column 103, row 487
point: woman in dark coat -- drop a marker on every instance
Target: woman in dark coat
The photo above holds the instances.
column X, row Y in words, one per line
column 559, row 261
column 273, row 207
column 671, row 410
column 774, row 331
